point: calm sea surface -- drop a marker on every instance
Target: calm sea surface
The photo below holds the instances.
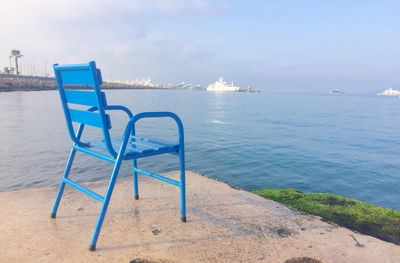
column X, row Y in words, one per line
column 344, row 144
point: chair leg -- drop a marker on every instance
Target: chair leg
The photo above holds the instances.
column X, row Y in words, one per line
column 62, row 184
column 183, row 184
column 135, row 180
column 106, row 201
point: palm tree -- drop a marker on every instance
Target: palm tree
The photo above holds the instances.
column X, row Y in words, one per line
column 16, row 54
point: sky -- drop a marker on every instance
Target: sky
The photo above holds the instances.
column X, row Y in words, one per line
column 271, row 44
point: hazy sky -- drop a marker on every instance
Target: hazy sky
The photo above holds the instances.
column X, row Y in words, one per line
column 281, row 44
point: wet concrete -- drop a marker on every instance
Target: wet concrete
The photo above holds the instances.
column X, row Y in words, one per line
column 224, row 225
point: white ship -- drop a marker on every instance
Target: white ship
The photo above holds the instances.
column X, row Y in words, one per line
column 221, row 85
column 389, row 92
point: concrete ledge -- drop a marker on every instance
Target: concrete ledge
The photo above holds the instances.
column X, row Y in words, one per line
column 224, row 225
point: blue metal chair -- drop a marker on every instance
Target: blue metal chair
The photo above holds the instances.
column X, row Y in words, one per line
column 128, row 147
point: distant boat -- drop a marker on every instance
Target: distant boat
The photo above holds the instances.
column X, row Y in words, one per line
column 389, row 92
column 251, row 89
column 184, row 85
column 221, row 85
column 335, row 91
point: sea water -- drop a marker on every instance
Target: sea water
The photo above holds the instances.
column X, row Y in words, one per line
column 313, row 142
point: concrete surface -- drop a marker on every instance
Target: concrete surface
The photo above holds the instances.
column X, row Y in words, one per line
column 224, row 225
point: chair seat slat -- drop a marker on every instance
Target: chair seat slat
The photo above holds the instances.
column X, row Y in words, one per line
column 138, row 146
column 154, row 141
column 144, row 144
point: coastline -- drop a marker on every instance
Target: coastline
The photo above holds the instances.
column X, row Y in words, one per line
column 224, row 224
column 10, row 83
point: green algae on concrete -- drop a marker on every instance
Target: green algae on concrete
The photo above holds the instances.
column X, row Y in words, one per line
column 373, row 220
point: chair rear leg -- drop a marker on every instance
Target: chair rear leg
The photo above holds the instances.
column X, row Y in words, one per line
column 106, row 201
column 62, row 184
column 135, row 180
column 182, row 183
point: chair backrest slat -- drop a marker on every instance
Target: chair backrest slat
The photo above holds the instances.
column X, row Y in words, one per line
column 79, row 76
column 88, row 98
column 87, row 75
column 89, row 118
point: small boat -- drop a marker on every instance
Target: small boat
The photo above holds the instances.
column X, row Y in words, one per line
column 335, row 91
column 251, row 89
column 184, row 85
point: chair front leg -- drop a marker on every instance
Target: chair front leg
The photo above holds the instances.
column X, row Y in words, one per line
column 135, row 180
column 182, row 182
column 106, row 201
column 62, row 183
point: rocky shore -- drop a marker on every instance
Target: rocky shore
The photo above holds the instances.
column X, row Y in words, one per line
column 30, row 83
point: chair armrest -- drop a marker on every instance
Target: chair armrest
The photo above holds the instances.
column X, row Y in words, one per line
column 115, row 107
column 120, row 108
column 163, row 114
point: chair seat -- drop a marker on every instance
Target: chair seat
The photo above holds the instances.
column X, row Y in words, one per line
column 138, row 145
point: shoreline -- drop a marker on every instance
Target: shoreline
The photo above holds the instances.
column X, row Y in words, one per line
column 224, row 224
column 31, row 83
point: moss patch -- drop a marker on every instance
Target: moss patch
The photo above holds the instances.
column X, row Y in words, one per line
column 372, row 220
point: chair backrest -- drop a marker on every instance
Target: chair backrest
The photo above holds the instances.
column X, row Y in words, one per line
column 86, row 75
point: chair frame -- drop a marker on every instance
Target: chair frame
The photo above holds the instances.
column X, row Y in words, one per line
column 88, row 74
